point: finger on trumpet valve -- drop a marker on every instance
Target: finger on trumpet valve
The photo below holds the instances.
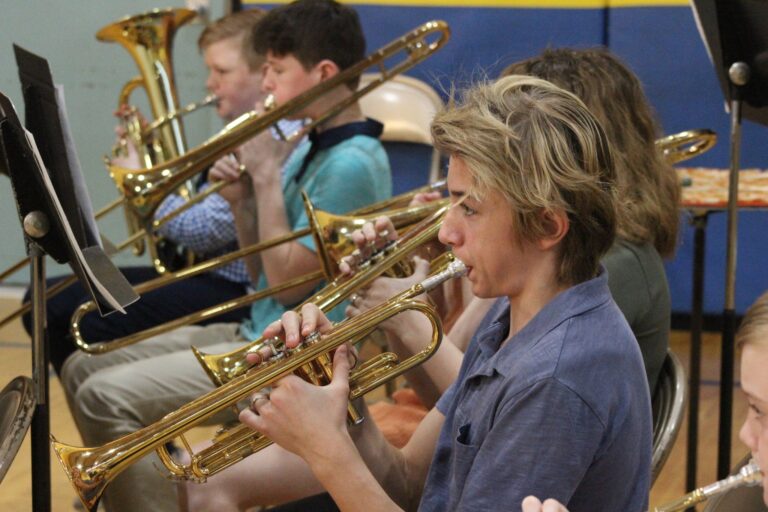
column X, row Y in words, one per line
column 271, row 348
column 258, row 396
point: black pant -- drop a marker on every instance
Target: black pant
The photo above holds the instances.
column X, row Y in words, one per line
column 318, row 503
column 153, row 308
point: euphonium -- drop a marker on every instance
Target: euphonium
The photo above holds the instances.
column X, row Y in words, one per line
column 747, row 476
column 148, row 37
column 145, row 189
column 222, row 368
column 91, row 469
column 685, row 145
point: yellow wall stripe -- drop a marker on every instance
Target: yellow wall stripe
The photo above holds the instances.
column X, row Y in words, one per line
column 520, row 4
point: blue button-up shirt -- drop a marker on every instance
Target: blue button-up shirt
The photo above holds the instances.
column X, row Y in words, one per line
column 562, row 410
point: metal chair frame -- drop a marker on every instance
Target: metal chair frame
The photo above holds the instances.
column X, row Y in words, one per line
column 669, row 403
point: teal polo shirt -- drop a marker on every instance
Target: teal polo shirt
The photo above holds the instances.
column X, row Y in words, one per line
column 340, row 169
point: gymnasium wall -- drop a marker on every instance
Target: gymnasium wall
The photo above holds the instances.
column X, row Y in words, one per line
column 658, row 40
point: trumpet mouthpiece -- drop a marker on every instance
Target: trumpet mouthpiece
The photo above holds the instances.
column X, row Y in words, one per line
column 269, row 102
column 455, row 268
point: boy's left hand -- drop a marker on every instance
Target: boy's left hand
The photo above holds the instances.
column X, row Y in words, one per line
column 303, row 418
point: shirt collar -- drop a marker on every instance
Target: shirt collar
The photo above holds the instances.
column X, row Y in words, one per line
column 332, row 136
column 572, row 302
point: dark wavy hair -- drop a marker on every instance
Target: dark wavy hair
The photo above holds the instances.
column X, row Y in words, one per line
column 648, row 190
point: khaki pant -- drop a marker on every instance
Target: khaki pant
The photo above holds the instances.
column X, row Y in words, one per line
column 120, row 392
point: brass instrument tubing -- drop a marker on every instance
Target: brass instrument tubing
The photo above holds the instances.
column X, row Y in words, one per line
column 192, row 318
column 91, row 469
column 749, row 475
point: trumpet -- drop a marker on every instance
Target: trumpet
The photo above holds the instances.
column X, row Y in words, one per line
column 395, row 202
column 332, row 240
column 222, row 368
column 687, row 144
column 749, row 475
column 91, row 469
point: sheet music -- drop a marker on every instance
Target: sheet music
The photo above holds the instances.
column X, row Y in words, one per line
column 702, row 33
column 78, row 183
column 105, row 294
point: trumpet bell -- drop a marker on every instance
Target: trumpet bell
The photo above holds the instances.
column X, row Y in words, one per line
column 91, row 469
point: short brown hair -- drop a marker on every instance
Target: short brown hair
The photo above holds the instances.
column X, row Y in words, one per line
column 236, row 25
column 647, row 186
column 311, row 31
column 755, row 319
column 544, row 151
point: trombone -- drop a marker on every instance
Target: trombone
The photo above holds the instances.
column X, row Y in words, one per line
column 687, row 144
column 144, row 189
column 222, row 368
column 749, row 475
column 91, row 469
column 331, row 236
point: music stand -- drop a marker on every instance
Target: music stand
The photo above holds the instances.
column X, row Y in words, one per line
column 736, row 37
column 55, row 214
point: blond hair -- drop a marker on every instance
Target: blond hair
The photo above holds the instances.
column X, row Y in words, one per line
column 544, row 151
column 647, row 185
column 755, row 320
column 238, row 25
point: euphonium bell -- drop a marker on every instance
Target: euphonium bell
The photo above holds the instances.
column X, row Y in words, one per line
column 91, row 469
column 148, row 37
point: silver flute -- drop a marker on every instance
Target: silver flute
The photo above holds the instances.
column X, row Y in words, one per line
column 748, row 476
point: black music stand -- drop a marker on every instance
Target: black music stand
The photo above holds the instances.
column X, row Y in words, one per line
column 736, row 37
column 55, row 214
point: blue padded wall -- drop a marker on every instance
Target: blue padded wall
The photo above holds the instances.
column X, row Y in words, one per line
column 660, row 43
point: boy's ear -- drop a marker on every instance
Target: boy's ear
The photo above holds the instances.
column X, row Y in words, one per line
column 327, row 69
column 556, row 225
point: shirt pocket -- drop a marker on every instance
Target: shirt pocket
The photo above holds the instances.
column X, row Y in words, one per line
column 465, row 450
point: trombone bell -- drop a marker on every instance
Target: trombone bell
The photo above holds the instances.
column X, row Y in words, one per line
column 685, row 145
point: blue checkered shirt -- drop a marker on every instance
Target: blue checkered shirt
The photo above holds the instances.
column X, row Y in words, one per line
column 207, row 229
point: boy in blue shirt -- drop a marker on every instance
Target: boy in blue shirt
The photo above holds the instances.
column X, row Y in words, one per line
column 341, row 167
